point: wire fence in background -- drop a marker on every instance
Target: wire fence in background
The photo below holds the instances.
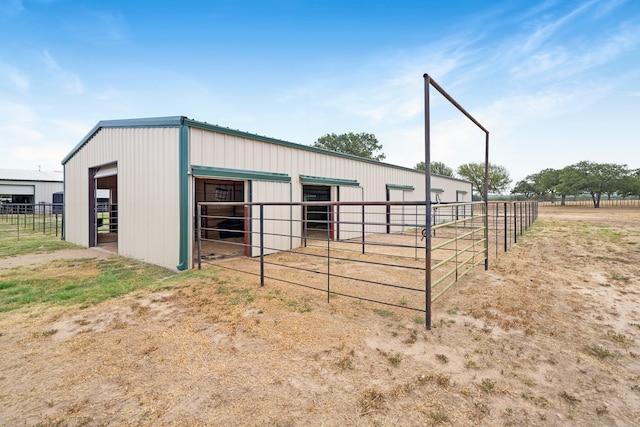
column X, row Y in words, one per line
column 629, row 202
column 27, row 219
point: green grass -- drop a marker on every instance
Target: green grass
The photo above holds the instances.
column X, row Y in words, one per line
column 384, row 313
column 83, row 282
column 27, row 242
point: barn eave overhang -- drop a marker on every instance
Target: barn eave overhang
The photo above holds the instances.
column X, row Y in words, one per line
column 319, row 180
column 238, row 174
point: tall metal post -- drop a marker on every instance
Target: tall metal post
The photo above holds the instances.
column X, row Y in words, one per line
column 505, row 227
column 199, row 234
column 427, row 199
column 486, row 201
column 261, row 245
column 428, row 81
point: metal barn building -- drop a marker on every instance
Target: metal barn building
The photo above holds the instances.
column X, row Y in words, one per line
column 29, row 186
column 156, row 170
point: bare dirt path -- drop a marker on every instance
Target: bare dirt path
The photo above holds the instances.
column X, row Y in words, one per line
column 549, row 336
column 35, row 259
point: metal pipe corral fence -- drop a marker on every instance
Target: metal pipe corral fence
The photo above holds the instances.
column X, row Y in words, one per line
column 369, row 251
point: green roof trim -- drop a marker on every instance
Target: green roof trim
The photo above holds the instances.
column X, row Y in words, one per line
column 318, row 180
column 437, row 190
column 400, row 187
column 214, row 172
column 177, row 121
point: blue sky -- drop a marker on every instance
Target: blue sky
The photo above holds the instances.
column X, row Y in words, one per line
column 555, row 82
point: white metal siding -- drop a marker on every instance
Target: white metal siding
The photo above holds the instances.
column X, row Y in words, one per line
column 349, row 217
column 148, row 198
column 278, row 233
column 208, row 148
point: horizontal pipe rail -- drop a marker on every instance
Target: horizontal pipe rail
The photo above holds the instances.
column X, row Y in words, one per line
column 348, row 246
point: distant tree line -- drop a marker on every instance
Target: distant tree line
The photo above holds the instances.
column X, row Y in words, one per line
column 585, row 177
column 581, row 178
column 367, row 146
column 498, row 182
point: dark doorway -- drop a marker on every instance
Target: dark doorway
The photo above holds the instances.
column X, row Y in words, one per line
column 317, row 218
column 103, row 207
column 224, row 227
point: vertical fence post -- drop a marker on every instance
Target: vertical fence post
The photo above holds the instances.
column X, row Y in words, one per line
column 329, row 224
column 521, row 219
column 505, row 226
column 199, row 234
column 261, row 245
column 497, row 209
column 363, row 229
column 515, row 222
column 304, row 224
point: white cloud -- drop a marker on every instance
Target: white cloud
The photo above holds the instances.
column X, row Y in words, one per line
column 19, row 134
column 70, row 82
column 70, row 128
column 547, row 30
column 18, row 80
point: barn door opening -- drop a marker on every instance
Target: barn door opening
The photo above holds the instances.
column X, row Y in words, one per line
column 395, row 213
column 317, row 219
column 224, row 226
column 103, row 209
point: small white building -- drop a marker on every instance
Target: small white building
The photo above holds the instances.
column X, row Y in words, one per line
column 28, row 186
column 156, row 170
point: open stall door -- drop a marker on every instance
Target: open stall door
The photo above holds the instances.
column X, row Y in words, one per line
column 399, row 217
column 103, row 207
column 317, row 219
column 224, row 228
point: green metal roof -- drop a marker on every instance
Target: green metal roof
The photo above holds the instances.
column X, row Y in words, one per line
column 177, row 121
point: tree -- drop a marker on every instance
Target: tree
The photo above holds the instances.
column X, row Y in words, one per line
column 594, row 178
column 437, row 168
column 526, row 187
column 547, row 182
column 499, row 178
column 361, row 144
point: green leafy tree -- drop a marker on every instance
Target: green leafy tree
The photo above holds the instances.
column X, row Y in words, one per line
column 499, row 178
column 526, row 187
column 630, row 184
column 357, row 144
column 543, row 185
column 627, row 186
column 568, row 184
column 547, row 182
column 437, row 168
column 593, row 178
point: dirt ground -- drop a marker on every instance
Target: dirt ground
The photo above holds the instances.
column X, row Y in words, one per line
column 548, row 336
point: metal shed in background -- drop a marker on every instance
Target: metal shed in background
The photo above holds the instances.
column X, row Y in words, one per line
column 156, row 170
column 29, row 186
